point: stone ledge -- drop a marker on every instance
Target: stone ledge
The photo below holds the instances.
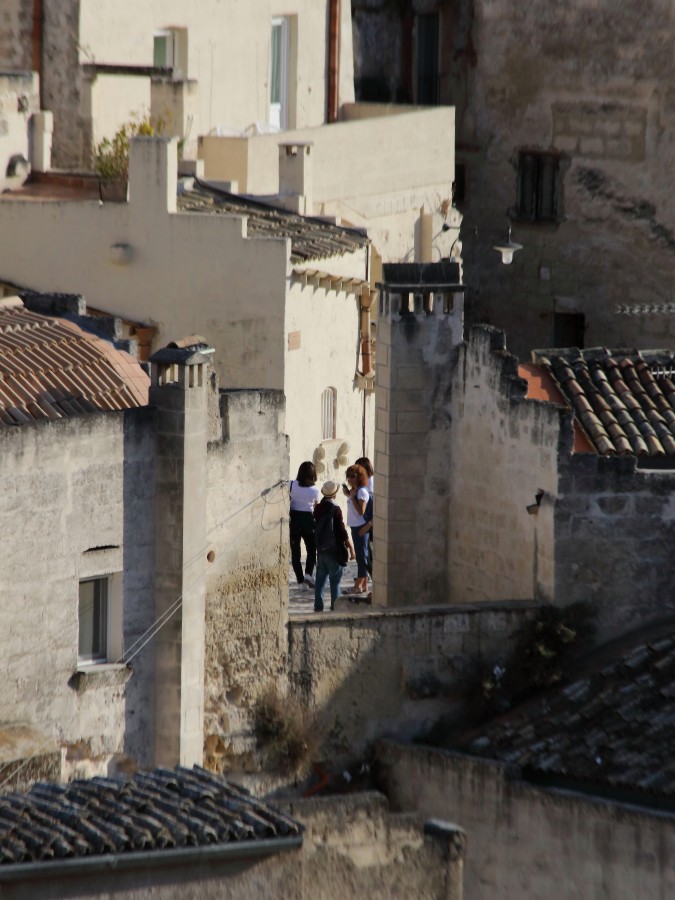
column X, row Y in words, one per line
column 100, row 676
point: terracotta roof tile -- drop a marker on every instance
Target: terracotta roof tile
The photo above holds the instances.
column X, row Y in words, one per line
column 52, row 368
column 623, row 400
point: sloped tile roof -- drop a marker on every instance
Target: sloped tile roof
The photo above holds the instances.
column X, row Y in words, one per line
column 50, row 369
column 158, row 810
column 612, row 728
column 310, row 238
column 624, row 400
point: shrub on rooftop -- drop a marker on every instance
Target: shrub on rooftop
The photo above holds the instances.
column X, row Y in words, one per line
column 111, row 155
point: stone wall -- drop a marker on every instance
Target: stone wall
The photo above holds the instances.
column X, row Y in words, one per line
column 396, row 672
column 247, row 579
column 16, row 30
column 587, row 80
column 460, row 456
column 614, row 533
column 415, row 356
column 76, row 501
column 529, row 842
column 19, row 99
column 353, row 847
column 502, row 450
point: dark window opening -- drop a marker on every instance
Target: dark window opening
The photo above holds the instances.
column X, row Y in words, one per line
column 568, row 330
column 459, row 185
column 539, row 187
column 428, row 76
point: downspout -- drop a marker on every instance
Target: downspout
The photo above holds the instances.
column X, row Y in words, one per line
column 366, row 300
column 333, row 60
column 36, row 60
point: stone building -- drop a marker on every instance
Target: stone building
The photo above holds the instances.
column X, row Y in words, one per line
column 564, row 118
column 550, row 481
column 284, row 299
column 202, row 68
column 144, row 572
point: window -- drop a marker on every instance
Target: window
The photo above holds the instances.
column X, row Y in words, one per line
column 279, row 73
column 93, row 620
column 568, row 330
column 169, row 51
column 539, row 187
column 164, row 50
column 328, row 402
column 428, row 80
column 100, row 619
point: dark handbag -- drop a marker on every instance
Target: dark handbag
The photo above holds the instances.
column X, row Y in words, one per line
column 341, row 553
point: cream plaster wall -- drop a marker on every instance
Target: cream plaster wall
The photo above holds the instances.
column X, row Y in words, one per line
column 19, row 99
column 228, row 54
column 374, row 170
column 328, row 323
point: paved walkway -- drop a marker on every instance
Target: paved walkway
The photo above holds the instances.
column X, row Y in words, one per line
column 301, row 598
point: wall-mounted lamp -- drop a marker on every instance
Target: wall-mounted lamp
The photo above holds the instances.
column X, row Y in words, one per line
column 508, row 249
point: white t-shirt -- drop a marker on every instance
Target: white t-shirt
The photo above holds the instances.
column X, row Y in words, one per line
column 353, row 518
column 303, row 499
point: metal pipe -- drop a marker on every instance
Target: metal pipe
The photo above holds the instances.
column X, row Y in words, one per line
column 333, row 61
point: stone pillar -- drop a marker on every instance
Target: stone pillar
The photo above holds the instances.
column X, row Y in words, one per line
column 419, row 328
column 179, row 392
column 42, row 125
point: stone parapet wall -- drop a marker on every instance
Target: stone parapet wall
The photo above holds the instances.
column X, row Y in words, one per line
column 396, row 672
column 525, row 841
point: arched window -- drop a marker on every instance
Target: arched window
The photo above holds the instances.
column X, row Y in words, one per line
column 328, row 405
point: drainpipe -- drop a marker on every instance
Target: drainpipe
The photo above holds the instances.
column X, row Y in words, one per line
column 36, row 61
column 333, row 60
column 367, row 300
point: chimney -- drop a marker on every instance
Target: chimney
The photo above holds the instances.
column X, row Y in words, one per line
column 296, row 180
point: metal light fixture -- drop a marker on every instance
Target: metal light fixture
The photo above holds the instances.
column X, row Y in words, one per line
column 508, row 249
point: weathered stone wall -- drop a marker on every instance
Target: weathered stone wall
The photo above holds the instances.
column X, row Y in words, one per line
column 614, row 530
column 76, row 500
column 415, row 355
column 247, row 581
column 353, row 847
column 503, row 449
column 460, row 455
column 396, row 672
column 16, row 27
column 525, row 842
column 62, row 84
column 591, row 81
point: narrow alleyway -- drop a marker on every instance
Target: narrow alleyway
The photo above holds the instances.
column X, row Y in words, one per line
column 301, row 598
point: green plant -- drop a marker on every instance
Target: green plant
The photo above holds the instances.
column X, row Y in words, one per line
column 286, row 730
column 111, row 156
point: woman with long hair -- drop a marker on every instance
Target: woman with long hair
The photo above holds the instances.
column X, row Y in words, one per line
column 304, row 496
column 357, row 493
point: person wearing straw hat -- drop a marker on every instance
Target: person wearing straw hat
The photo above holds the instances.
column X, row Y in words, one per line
column 333, row 545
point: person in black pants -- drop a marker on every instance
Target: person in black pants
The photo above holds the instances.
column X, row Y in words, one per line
column 304, row 496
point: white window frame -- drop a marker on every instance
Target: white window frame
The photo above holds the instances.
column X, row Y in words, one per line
column 278, row 110
column 171, row 39
column 329, row 414
column 111, row 641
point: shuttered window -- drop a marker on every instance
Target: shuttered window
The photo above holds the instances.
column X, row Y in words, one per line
column 328, row 399
column 539, row 187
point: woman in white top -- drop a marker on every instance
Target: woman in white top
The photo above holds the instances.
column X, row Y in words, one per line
column 357, row 491
column 304, row 496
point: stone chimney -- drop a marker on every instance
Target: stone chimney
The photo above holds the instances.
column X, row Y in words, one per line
column 296, row 179
column 179, row 393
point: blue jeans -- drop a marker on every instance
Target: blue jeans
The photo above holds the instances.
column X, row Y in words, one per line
column 360, row 542
column 327, row 567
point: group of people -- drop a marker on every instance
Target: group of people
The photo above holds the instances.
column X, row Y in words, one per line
column 316, row 519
